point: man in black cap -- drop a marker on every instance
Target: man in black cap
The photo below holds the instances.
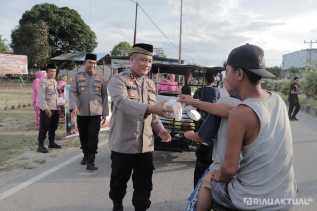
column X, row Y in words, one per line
column 89, row 90
column 258, row 161
column 134, row 118
column 49, row 113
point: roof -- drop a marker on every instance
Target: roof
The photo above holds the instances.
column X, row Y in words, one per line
column 182, row 69
column 76, row 56
column 155, row 58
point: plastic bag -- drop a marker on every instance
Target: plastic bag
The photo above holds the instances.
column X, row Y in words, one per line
column 177, row 113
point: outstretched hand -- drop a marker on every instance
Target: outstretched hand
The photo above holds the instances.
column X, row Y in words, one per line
column 187, row 99
column 165, row 135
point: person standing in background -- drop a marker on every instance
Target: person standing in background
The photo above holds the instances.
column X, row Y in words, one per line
column 49, row 115
column 89, row 91
column 39, row 75
column 294, row 105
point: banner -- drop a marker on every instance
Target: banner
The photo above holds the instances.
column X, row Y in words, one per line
column 13, row 64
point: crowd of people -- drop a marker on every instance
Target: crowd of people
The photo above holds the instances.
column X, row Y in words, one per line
column 245, row 142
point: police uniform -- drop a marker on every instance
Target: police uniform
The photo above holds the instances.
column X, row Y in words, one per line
column 131, row 137
column 91, row 99
column 48, row 96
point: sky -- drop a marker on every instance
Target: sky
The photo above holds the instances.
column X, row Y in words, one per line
column 211, row 28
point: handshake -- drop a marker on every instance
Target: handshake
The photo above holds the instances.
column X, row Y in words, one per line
column 162, row 109
column 173, row 109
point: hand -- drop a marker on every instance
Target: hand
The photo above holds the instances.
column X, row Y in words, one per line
column 212, row 175
column 103, row 120
column 187, row 99
column 191, row 135
column 165, row 135
column 48, row 113
column 75, row 112
column 160, row 109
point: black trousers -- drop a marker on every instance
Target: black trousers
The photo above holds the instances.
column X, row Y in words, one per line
column 122, row 167
column 203, row 161
column 88, row 128
column 48, row 124
column 294, row 107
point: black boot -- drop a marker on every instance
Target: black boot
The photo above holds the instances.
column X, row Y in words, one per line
column 42, row 149
column 84, row 160
column 53, row 145
column 117, row 207
column 91, row 162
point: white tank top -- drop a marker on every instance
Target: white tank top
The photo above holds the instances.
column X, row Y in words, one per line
column 266, row 167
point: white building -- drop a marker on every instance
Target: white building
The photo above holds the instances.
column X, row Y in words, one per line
column 300, row 59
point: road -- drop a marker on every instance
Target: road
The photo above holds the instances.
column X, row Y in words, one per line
column 63, row 185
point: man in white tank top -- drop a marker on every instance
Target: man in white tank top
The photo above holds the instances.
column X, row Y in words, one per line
column 257, row 172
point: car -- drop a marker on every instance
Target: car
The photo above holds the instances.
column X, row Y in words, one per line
column 177, row 127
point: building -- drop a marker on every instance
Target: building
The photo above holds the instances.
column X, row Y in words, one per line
column 300, row 59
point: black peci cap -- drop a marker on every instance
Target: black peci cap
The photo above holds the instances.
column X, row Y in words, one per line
column 51, row 66
column 91, row 56
column 142, row 48
column 249, row 58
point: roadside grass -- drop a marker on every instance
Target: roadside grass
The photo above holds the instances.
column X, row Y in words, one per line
column 14, row 95
column 18, row 135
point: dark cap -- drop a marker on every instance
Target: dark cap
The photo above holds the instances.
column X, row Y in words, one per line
column 50, row 66
column 142, row 48
column 91, row 56
column 249, row 58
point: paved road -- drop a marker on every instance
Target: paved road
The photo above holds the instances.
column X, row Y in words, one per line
column 63, row 185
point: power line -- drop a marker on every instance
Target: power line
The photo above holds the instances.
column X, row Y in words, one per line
column 157, row 27
column 153, row 22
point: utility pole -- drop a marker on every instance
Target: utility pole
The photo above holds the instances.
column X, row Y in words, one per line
column 180, row 34
column 310, row 51
column 136, row 21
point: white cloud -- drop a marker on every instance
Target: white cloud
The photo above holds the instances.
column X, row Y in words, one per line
column 210, row 28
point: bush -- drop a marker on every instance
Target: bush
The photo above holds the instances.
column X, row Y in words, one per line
column 277, row 86
column 310, row 84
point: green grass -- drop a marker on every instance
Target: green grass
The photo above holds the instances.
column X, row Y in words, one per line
column 18, row 134
column 14, row 95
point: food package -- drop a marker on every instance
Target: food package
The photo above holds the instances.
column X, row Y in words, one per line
column 177, row 109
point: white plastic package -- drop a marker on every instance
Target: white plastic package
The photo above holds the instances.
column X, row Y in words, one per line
column 177, row 109
column 194, row 115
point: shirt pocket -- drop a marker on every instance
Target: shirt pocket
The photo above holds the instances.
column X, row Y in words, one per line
column 82, row 86
column 97, row 87
column 132, row 93
column 51, row 90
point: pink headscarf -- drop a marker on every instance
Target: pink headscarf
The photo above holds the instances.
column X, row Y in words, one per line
column 39, row 75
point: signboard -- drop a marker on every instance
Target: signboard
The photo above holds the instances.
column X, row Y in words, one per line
column 13, row 64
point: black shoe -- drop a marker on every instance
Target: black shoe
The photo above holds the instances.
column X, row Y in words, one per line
column 54, row 146
column 294, row 118
column 117, row 207
column 84, row 160
column 139, row 209
column 42, row 149
column 91, row 162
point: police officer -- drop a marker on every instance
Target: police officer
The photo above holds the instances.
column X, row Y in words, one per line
column 49, row 113
column 134, row 117
column 90, row 97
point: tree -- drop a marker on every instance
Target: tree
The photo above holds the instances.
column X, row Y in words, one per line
column 3, row 46
column 121, row 49
column 66, row 30
column 36, row 36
